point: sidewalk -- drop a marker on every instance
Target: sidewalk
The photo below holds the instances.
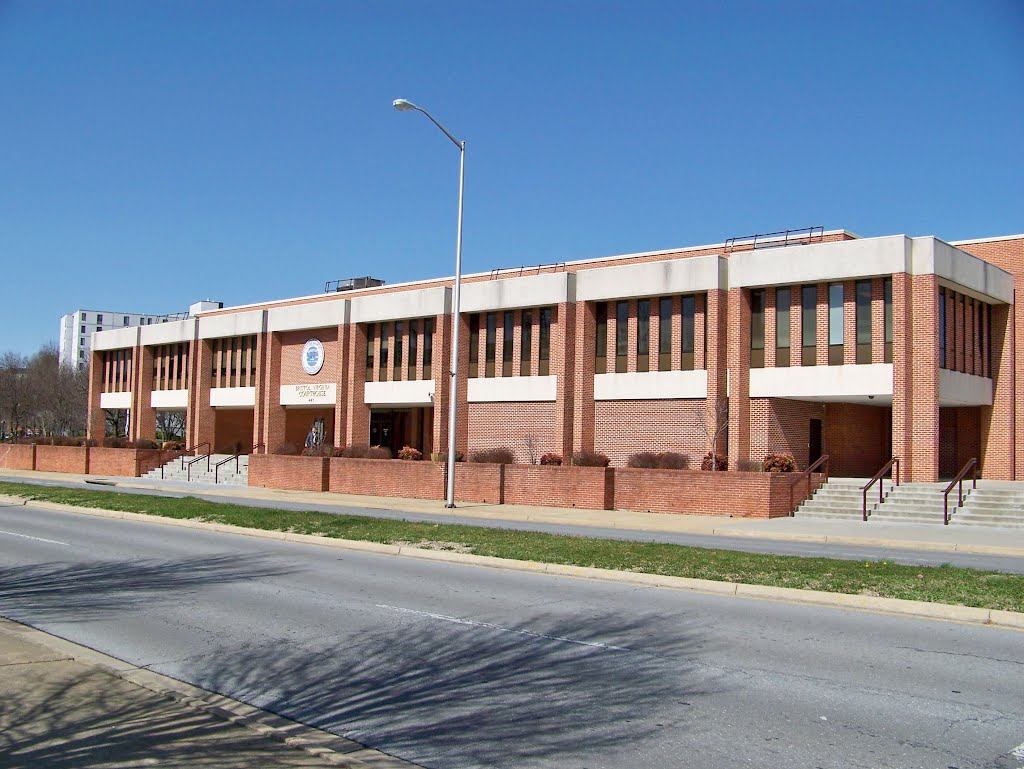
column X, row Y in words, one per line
column 931, row 537
column 68, row 707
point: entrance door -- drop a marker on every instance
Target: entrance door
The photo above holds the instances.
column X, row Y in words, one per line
column 814, row 442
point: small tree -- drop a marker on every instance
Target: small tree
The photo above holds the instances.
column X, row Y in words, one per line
column 718, row 416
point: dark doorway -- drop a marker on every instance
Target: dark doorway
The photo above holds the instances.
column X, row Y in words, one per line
column 814, row 442
column 395, row 428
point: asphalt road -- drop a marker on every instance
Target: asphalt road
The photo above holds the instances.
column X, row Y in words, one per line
column 718, row 542
column 456, row 666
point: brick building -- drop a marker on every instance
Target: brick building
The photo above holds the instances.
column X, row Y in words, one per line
column 808, row 342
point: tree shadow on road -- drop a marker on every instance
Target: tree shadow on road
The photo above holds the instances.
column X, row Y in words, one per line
column 473, row 695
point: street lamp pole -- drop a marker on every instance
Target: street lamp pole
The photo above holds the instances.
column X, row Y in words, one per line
column 404, row 106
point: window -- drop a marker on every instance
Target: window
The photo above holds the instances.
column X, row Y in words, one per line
column 382, row 364
column 99, row 318
column 689, row 307
column 99, row 328
column 643, row 334
column 81, row 342
column 82, row 317
column 428, row 348
column 665, row 334
column 863, row 318
column 545, row 341
column 370, row 329
column 621, row 335
column 942, row 328
column 396, row 366
column 474, row 345
column 526, row 345
column 126, row 320
column 489, row 343
column 414, row 330
column 601, row 338
column 508, row 337
column 757, row 328
column 835, row 324
column 887, row 294
column 783, row 299
column 809, row 325
column 83, row 329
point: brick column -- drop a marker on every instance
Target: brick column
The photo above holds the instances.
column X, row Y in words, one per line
column 821, row 357
column 442, row 378
column 878, row 320
column 998, row 421
column 274, row 412
column 716, row 363
column 849, row 322
column 356, row 415
column 201, row 414
column 583, row 379
column 738, row 362
column 342, row 377
column 143, row 414
column 561, row 364
column 259, row 417
column 769, row 328
column 96, row 421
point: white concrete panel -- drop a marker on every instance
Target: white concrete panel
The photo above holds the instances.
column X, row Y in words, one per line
column 169, row 399
column 412, row 393
column 512, row 293
column 115, row 338
column 651, row 385
column 673, row 276
column 511, row 389
column 961, row 271
column 296, row 317
column 232, row 397
column 172, row 332
column 231, row 324
column 115, row 400
column 321, row 394
column 418, row 303
column 819, row 262
column 956, row 389
column 822, row 382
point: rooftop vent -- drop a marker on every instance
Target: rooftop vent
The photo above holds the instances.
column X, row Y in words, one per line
column 350, row 284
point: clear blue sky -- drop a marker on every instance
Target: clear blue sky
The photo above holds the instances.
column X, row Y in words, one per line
column 154, row 153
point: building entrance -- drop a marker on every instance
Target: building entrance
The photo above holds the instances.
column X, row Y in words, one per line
column 395, row 428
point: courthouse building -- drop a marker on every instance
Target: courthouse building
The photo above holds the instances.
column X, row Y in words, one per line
column 803, row 342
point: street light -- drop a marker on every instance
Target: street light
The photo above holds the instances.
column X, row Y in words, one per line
column 402, row 105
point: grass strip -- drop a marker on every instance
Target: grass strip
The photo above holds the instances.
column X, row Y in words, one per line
column 938, row 584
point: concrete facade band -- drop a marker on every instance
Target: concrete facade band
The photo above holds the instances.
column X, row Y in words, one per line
column 863, row 349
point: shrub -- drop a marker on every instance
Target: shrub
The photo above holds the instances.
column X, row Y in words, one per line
column 779, row 463
column 663, row 460
column 440, row 456
column 323, row 450
column 116, row 443
column 590, row 459
column 173, row 446
column 145, row 443
column 408, row 452
column 551, row 458
column 748, row 466
column 287, row 450
column 493, row 456
column 362, row 451
column 721, row 462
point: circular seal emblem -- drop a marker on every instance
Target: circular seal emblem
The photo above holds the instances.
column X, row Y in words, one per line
column 312, row 356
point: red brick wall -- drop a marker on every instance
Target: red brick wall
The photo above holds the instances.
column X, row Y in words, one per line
column 627, row 427
column 478, row 482
column 285, row 472
column 15, row 456
column 122, row 462
column 857, row 438
column 508, row 425
column 61, row 459
column 386, row 478
column 233, row 426
column 734, row 494
column 781, row 426
column 564, row 486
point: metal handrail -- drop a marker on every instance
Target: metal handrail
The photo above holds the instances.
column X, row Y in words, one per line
column 188, row 475
column 894, row 465
column 195, row 448
column 972, row 464
column 216, row 467
column 806, row 475
column 160, row 459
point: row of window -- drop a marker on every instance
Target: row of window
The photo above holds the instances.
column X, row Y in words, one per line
column 807, row 296
column 667, row 308
column 84, row 318
column 393, row 337
column 233, row 362
column 117, row 371
column 170, row 367
column 534, row 322
column 964, row 325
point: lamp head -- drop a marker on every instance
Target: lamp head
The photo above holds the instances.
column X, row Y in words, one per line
column 403, row 105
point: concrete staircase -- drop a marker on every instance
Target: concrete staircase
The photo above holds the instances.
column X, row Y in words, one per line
column 993, row 503
column 225, row 476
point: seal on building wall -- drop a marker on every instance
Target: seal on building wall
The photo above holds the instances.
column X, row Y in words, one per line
column 312, row 356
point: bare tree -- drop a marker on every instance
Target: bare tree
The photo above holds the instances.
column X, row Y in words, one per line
column 170, row 425
column 14, row 392
column 116, row 423
column 717, row 414
column 530, row 442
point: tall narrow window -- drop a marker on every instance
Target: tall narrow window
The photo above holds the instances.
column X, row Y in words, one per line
column 809, row 325
column 689, row 308
column 621, row 335
column 396, row 374
column 414, row 343
column 665, row 334
column 544, row 366
column 370, row 343
column 757, row 328
column 474, row 345
column 382, row 364
column 887, row 301
column 863, row 318
column 428, row 348
column 489, row 342
column 835, row 324
column 643, row 334
column 601, row 338
column 942, row 328
column 526, row 343
column 506, row 342
column 783, row 298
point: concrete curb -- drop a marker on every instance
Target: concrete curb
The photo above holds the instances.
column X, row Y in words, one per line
column 939, row 611
column 324, row 745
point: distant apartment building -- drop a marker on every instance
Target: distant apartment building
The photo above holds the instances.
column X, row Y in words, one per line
column 77, row 328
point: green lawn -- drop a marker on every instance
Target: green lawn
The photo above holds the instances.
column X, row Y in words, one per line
column 942, row 584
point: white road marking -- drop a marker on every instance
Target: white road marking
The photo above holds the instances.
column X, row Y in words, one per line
column 1018, row 752
column 489, row 626
column 37, row 539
